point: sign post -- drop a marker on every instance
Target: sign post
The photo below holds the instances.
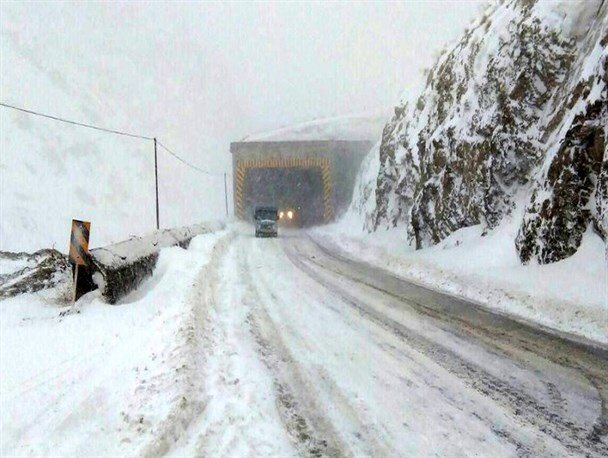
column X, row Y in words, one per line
column 156, row 181
column 79, row 248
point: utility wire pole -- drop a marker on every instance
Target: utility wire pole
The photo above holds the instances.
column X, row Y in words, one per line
column 156, row 179
column 128, row 134
column 226, row 194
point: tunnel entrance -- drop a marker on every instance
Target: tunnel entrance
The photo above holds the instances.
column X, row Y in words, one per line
column 298, row 189
column 302, row 184
column 295, row 168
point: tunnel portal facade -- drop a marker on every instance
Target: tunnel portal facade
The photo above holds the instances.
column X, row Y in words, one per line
column 313, row 178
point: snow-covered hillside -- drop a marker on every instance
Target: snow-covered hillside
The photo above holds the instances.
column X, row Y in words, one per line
column 516, row 112
column 51, row 172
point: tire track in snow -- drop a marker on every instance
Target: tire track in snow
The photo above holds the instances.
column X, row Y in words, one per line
column 240, row 417
column 191, row 405
column 312, row 434
column 573, row 437
column 510, row 335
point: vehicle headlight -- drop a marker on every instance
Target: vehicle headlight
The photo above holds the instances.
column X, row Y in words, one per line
column 281, row 214
column 290, row 214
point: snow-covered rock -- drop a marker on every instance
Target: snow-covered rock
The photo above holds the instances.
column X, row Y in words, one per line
column 527, row 77
column 571, row 189
column 31, row 272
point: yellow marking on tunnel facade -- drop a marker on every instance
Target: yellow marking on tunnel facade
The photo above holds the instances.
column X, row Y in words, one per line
column 243, row 165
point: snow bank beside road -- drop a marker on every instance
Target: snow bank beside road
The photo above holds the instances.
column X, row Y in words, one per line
column 136, row 247
column 569, row 296
column 121, row 267
column 110, row 381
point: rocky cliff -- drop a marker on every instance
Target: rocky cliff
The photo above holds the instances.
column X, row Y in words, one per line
column 514, row 113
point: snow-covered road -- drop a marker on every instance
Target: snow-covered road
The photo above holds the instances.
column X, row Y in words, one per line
column 287, row 347
column 312, row 353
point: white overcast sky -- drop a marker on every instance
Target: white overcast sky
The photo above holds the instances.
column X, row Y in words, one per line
column 200, row 75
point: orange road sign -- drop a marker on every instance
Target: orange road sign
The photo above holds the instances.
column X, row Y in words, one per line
column 79, row 242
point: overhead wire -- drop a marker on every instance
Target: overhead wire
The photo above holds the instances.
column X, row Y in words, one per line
column 112, row 131
column 206, row 172
column 76, row 123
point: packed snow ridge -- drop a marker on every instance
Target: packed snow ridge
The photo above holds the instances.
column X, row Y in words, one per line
column 355, row 127
column 515, row 114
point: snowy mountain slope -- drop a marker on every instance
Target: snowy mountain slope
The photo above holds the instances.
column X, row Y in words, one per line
column 51, row 172
column 486, row 123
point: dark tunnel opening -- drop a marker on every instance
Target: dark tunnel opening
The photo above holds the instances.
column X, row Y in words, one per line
column 296, row 189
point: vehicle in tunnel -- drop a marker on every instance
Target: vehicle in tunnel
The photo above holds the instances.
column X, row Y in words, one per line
column 296, row 192
column 288, row 216
column 315, row 178
column 265, row 219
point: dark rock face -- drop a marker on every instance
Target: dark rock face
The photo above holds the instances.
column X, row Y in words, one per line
column 488, row 118
column 600, row 211
column 570, row 193
column 553, row 226
column 388, row 176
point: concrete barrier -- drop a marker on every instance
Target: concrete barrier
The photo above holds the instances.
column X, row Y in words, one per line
column 120, row 268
